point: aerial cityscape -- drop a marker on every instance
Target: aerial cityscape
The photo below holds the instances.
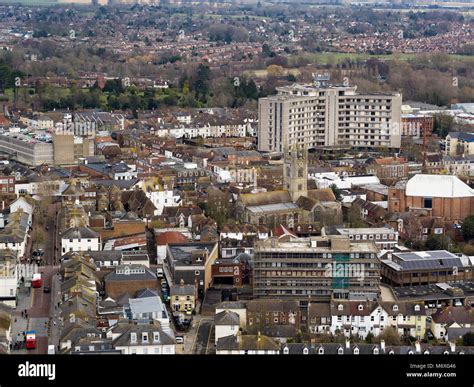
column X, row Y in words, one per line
column 236, row 177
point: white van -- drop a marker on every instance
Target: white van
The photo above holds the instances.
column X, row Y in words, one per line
column 159, row 272
column 51, row 350
column 179, row 340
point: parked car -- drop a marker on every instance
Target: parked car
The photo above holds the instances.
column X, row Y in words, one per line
column 46, row 289
column 179, row 340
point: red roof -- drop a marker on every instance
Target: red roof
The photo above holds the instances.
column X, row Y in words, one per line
column 170, row 237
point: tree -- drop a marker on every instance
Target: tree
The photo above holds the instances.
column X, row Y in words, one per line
column 369, row 338
column 201, row 85
column 337, row 192
column 438, row 242
column 390, row 336
column 467, row 228
column 468, row 339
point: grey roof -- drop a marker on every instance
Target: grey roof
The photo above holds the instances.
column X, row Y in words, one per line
column 247, row 342
column 272, row 207
column 142, row 293
column 79, row 233
column 465, row 136
column 126, row 329
column 369, row 349
column 122, row 184
column 181, row 253
column 130, row 273
column 146, row 305
column 231, row 305
column 226, row 317
column 414, row 260
column 182, row 290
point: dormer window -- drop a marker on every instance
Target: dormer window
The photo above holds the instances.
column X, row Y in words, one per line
column 133, row 337
column 395, row 308
column 145, row 337
column 286, row 351
column 340, row 351
column 356, row 351
column 446, row 353
column 376, row 351
column 305, row 351
column 321, row 351
column 391, row 352
column 410, row 352
column 360, row 307
column 417, row 308
column 426, row 352
column 340, row 307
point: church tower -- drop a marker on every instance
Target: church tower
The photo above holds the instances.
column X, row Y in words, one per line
column 295, row 172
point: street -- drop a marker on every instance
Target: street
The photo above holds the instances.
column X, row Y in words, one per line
column 202, row 341
column 41, row 306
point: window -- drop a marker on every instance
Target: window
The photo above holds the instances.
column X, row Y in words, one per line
column 427, row 202
column 133, row 337
column 340, row 351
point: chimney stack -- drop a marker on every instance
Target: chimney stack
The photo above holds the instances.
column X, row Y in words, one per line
column 417, row 346
column 452, row 345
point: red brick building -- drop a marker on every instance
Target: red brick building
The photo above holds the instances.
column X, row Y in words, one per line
column 7, row 184
column 442, row 196
column 416, row 125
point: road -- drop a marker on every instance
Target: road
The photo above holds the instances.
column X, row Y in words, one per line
column 202, row 340
column 40, row 305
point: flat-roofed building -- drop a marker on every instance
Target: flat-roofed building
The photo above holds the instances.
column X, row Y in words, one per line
column 425, row 267
column 27, row 150
column 385, row 238
column 320, row 115
column 316, row 268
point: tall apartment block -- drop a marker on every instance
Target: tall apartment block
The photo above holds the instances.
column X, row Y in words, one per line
column 316, row 269
column 320, row 115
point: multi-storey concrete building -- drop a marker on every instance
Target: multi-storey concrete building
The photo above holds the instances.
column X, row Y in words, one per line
column 317, row 268
column 327, row 116
column 25, row 149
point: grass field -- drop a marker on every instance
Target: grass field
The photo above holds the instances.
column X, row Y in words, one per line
column 333, row 58
column 30, row 2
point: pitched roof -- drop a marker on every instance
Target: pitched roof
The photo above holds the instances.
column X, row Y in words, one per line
column 265, row 198
column 247, row 343
column 166, row 237
column 322, row 195
column 454, row 314
column 226, row 317
column 79, row 233
column 440, row 186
